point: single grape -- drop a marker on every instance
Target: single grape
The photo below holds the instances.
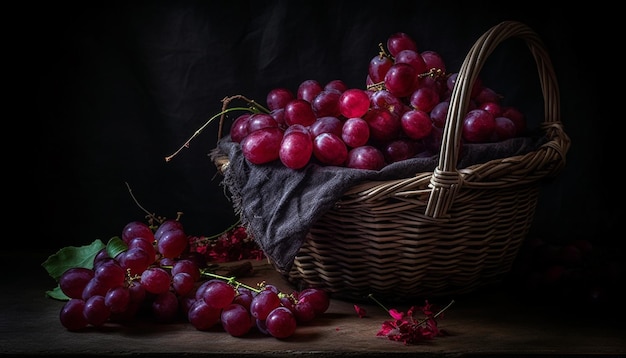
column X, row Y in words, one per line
column 236, row 320
column 505, row 129
column 330, row 149
column 424, row 99
column 328, row 124
column 433, row 60
column 401, row 149
column 355, row 132
column 277, row 98
column 100, row 257
column 304, row 312
column 439, row 113
column 384, row 126
column 487, row 94
column 280, row 322
column 137, row 292
column 136, row 260
column 94, row 287
column 416, row 124
column 318, row 298
column 279, row 116
column 182, row 283
column 337, row 85
column 385, row 100
column 259, row 121
column 187, row 266
column 492, row 107
column 239, row 128
column 165, row 307
column 326, row 103
column 354, row 102
column 202, row 316
column 378, row 67
column 156, row 280
column 117, row 299
column 296, row 150
column 218, row 294
column 401, row 80
column 478, row 126
column 262, row 146
column 413, row 58
column 399, row 41
column 137, row 229
column 263, row 303
column 73, row 281
column 71, row 315
column 260, row 325
column 299, row 111
column 308, row 90
column 96, row 311
column 172, row 243
column 244, row 297
column 365, row 157
column 517, row 117
column 111, row 274
column 145, row 246
column 166, row 226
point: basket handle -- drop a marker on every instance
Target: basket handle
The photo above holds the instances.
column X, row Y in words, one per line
column 446, row 180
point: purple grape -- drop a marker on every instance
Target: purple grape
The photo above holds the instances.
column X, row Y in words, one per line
column 236, row 320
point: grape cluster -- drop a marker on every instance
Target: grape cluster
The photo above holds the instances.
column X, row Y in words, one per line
column 158, row 278
column 400, row 114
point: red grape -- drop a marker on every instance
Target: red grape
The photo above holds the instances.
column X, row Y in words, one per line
column 137, row 229
column 354, row 102
column 262, row 146
column 296, row 149
column 299, row 111
column 73, row 281
column 236, row 320
column 416, row 124
column 280, row 322
column 478, row 126
column 400, row 41
column 155, row 280
column 330, row 149
column 308, row 90
column 378, row 67
column 172, row 243
column 401, row 80
column 326, row 103
column 355, row 132
column 239, row 128
column 384, row 126
column 259, row 121
column 278, row 98
column 365, row 157
column 71, row 315
column 328, row 124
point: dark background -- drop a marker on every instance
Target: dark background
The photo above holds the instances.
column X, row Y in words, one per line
column 106, row 90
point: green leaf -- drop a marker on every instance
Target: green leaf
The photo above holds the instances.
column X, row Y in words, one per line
column 72, row 256
column 116, row 246
column 57, row 294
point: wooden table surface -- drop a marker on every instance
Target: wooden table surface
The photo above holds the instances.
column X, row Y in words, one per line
column 490, row 322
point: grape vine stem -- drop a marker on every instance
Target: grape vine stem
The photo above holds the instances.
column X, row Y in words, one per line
column 253, row 107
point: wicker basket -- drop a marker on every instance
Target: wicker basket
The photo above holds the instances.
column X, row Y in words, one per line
column 445, row 232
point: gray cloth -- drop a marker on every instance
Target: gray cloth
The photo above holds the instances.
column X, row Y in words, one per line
column 279, row 205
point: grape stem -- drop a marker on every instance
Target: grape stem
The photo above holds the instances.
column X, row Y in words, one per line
column 151, row 216
column 252, row 107
column 230, row 280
